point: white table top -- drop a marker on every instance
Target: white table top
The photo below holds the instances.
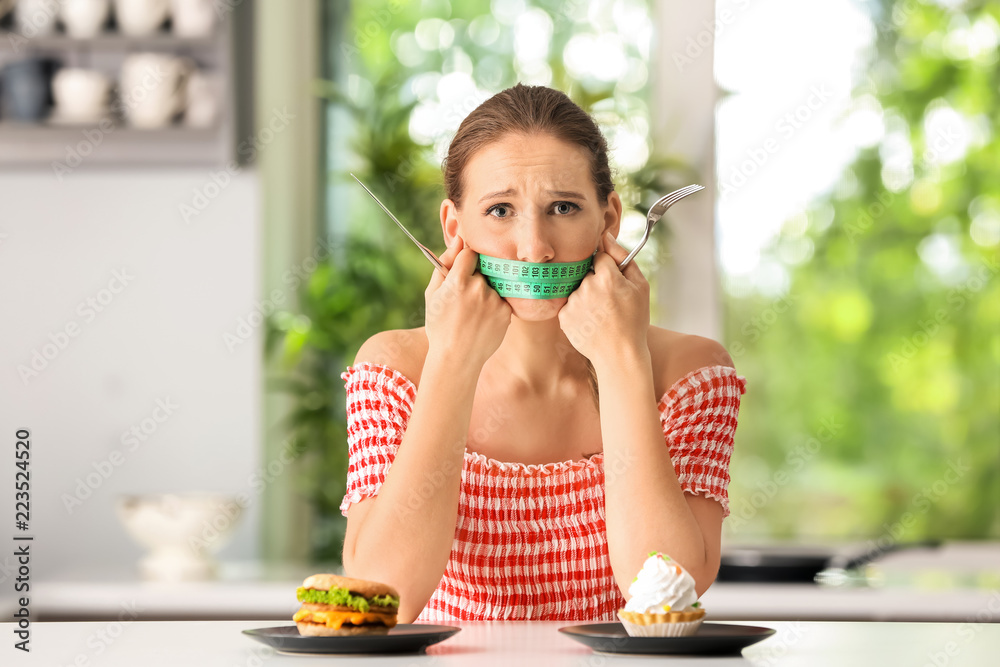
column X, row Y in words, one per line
column 276, row 600
column 192, row 643
column 944, row 585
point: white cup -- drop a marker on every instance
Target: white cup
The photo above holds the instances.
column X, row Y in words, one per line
column 81, row 95
column 204, row 99
column 153, row 88
column 193, row 18
column 141, row 17
column 84, row 18
column 36, row 17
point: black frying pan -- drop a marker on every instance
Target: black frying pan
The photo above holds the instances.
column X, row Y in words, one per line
column 796, row 565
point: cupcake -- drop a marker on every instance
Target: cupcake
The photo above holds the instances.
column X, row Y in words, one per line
column 662, row 601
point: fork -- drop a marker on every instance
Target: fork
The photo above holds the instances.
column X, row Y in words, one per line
column 424, row 249
column 656, row 212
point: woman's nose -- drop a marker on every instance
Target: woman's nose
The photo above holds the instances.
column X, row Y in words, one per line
column 533, row 244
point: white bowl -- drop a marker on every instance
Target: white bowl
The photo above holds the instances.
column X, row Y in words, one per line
column 180, row 530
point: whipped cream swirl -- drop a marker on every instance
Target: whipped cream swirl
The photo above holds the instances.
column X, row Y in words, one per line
column 661, row 586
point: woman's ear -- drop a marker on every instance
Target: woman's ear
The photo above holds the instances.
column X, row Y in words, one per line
column 450, row 224
column 612, row 215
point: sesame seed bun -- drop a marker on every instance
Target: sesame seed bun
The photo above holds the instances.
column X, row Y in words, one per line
column 363, row 587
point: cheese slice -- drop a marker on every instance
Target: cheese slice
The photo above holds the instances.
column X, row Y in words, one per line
column 334, row 619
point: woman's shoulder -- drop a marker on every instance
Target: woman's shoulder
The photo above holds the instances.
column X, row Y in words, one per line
column 675, row 355
column 402, row 350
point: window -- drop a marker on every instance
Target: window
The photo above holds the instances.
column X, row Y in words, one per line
column 858, row 241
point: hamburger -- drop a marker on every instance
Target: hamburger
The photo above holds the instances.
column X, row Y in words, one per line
column 334, row 605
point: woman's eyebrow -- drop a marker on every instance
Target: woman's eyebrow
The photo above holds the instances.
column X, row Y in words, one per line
column 501, row 193
column 568, row 194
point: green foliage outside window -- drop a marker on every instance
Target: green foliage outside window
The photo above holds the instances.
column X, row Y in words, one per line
column 874, row 405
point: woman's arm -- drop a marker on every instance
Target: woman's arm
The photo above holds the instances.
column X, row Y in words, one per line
column 403, row 536
column 646, row 509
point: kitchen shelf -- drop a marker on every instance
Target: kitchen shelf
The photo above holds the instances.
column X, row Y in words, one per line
column 66, row 131
column 49, row 146
column 11, row 41
column 227, row 53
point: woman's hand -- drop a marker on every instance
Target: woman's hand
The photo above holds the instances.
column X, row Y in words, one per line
column 465, row 318
column 609, row 312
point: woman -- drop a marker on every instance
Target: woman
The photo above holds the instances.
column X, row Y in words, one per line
column 487, row 478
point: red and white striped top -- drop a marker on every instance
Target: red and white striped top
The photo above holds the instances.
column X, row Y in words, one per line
column 531, row 543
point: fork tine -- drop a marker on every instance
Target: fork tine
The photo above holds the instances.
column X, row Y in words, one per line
column 677, row 194
column 683, row 192
column 669, row 200
column 656, row 212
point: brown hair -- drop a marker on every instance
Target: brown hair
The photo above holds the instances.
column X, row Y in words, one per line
column 529, row 110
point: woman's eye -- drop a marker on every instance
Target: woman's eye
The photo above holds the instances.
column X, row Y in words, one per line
column 499, row 211
column 565, row 207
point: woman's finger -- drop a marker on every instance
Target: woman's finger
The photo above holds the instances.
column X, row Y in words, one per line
column 447, row 259
column 616, row 252
column 465, row 264
column 612, row 247
column 448, row 256
column 604, row 262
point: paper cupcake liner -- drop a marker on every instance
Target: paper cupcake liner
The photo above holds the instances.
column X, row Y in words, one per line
column 670, row 624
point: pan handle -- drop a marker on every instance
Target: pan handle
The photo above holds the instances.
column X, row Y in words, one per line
column 874, row 554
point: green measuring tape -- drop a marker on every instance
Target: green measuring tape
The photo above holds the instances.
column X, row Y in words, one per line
column 533, row 280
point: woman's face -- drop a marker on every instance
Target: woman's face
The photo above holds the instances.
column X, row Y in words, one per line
column 531, row 198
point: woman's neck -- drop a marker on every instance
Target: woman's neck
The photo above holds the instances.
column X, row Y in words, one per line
column 537, row 357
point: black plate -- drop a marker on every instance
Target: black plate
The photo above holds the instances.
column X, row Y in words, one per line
column 711, row 639
column 403, row 638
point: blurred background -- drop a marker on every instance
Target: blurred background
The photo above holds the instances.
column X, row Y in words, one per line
column 186, row 268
